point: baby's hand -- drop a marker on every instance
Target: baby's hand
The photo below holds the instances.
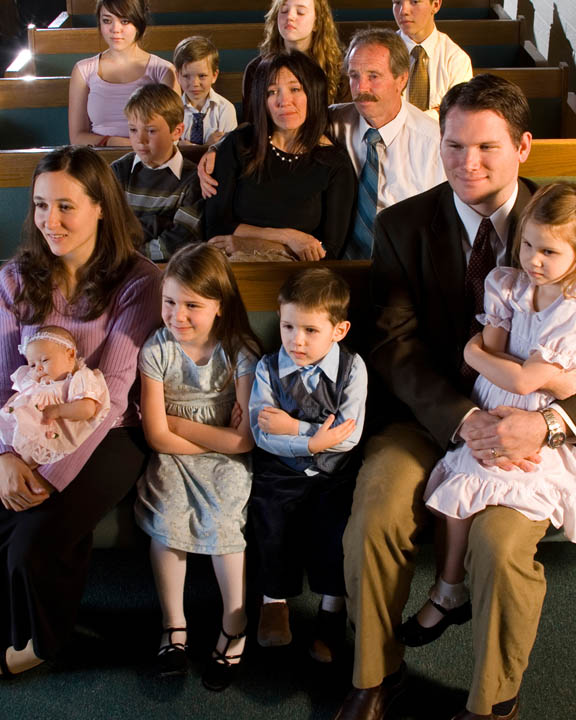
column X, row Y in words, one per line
column 277, row 422
column 49, row 413
column 328, row 436
column 235, row 417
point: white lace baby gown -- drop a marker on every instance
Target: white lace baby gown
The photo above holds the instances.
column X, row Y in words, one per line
column 459, row 486
column 21, row 417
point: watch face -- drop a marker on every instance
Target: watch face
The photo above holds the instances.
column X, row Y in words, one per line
column 556, row 440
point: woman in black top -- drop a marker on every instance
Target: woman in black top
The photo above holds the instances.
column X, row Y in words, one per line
column 283, row 184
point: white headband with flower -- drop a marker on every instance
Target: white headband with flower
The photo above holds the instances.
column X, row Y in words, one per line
column 46, row 335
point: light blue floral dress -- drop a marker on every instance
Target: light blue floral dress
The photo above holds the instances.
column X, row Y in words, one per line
column 195, row 503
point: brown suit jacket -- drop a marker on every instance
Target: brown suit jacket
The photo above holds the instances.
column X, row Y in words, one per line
column 422, row 324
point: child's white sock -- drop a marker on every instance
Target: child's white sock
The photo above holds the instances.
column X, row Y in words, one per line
column 332, row 603
column 266, row 600
column 447, row 595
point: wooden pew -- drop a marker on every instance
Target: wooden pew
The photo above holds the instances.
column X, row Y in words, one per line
column 33, row 112
column 549, row 160
column 86, row 7
column 54, row 51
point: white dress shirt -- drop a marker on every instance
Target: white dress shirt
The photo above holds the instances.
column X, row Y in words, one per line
column 408, row 158
column 219, row 114
column 448, row 65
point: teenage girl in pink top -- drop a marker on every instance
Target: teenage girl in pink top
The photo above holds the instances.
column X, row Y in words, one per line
column 101, row 85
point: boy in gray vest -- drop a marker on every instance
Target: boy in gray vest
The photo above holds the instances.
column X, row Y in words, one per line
column 307, row 414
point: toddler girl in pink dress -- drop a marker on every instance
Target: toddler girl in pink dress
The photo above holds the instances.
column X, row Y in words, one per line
column 58, row 400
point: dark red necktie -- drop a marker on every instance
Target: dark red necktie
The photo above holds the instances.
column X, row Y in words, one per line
column 481, row 261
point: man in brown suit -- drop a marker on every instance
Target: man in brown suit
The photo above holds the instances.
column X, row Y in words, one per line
column 422, row 249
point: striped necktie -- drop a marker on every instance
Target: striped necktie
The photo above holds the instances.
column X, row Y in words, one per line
column 360, row 246
column 197, row 129
column 419, row 81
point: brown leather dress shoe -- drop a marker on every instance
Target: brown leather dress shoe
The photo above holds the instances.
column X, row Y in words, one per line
column 467, row 715
column 274, row 626
column 373, row 703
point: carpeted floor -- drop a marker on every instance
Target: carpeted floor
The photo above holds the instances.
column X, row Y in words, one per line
column 105, row 672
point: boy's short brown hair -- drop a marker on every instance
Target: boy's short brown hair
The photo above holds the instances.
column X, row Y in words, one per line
column 193, row 48
column 318, row 289
column 156, row 99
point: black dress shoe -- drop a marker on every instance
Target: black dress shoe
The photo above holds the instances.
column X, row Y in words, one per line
column 373, row 703
column 413, row 634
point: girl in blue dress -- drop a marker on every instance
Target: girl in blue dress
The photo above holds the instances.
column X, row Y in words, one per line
column 196, row 375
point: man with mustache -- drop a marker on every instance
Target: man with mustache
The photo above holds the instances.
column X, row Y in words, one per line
column 394, row 147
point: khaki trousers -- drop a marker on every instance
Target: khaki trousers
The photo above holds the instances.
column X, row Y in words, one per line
column 380, row 544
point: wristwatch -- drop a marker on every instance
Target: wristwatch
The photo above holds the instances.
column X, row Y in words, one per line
column 556, row 437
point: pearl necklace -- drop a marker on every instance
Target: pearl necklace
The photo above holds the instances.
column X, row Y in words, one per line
column 280, row 154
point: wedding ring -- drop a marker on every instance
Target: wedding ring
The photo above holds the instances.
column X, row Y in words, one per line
column 493, row 453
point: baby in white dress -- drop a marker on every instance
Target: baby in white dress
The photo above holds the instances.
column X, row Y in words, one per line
column 58, row 400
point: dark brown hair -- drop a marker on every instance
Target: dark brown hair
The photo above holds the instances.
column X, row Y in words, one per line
column 119, row 232
column 553, row 206
column 317, row 289
column 490, row 92
column 204, row 270
column 136, row 11
column 310, row 75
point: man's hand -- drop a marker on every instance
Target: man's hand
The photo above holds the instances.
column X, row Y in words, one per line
column 506, row 437
column 277, row 422
column 327, row 436
column 205, row 169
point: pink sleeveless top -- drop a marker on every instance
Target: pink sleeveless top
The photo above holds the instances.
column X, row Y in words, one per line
column 106, row 100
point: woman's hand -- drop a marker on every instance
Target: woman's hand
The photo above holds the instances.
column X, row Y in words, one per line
column 303, row 245
column 205, row 169
column 275, row 421
column 227, row 243
column 21, row 487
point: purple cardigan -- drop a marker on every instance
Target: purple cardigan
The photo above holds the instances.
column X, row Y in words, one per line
column 110, row 342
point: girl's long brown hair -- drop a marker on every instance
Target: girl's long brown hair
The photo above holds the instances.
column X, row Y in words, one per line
column 205, row 271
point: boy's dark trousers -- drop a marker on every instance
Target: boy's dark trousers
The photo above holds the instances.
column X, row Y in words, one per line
column 298, row 521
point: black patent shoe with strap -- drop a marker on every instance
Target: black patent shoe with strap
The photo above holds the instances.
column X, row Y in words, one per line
column 172, row 658
column 413, row 634
column 220, row 670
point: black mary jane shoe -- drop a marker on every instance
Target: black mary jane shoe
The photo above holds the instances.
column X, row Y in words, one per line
column 172, row 659
column 4, row 665
column 220, row 672
column 413, row 634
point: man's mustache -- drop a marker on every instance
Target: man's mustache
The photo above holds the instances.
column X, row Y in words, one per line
column 365, row 97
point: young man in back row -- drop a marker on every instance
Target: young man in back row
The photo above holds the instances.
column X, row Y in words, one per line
column 436, row 62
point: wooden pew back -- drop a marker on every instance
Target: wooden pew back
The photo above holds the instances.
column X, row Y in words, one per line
column 54, row 51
